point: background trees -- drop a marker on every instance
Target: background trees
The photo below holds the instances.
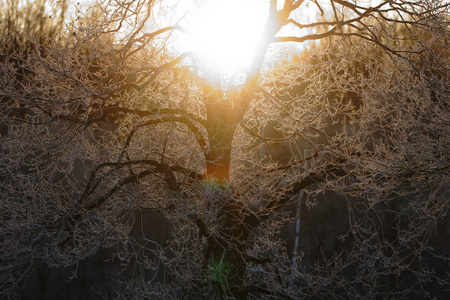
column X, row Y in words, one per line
column 106, row 128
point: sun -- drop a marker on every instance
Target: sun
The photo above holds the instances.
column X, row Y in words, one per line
column 224, row 33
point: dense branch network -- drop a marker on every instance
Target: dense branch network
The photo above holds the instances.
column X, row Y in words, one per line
column 106, row 123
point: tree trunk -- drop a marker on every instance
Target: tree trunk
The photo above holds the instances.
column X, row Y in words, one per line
column 226, row 264
column 222, row 119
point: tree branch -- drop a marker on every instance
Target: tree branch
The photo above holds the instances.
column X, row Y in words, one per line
column 333, row 170
column 158, row 168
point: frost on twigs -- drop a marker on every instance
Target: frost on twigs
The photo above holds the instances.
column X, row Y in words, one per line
column 111, row 143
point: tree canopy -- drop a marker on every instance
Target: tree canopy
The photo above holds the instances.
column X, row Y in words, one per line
column 104, row 123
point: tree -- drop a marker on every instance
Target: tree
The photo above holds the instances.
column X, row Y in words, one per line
column 107, row 124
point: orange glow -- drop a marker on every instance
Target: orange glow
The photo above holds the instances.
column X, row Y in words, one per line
column 218, row 172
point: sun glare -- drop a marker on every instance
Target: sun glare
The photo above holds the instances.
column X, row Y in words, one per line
column 225, row 33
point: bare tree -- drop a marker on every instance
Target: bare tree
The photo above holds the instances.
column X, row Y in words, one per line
column 107, row 123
